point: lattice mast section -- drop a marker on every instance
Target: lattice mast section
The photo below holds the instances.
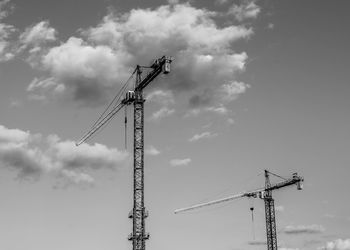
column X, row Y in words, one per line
column 270, row 215
column 139, row 214
column 135, row 97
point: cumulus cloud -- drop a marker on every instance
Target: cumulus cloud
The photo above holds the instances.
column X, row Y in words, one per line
column 87, row 72
column 338, row 244
column 246, row 10
column 180, row 162
column 302, row 229
column 151, row 150
column 33, row 155
column 90, row 66
column 203, row 135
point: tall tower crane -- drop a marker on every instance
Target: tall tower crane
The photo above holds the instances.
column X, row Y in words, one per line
column 135, row 97
column 265, row 194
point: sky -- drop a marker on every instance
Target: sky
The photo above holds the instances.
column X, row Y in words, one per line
column 254, row 85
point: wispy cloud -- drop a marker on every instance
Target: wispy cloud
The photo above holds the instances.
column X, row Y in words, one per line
column 161, row 113
column 6, row 32
column 163, row 97
column 248, row 9
column 38, row 34
column 180, row 162
column 304, row 229
column 204, row 135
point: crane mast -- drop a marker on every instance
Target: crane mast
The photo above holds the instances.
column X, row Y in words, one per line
column 135, row 97
column 270, row 215
column 265, row 194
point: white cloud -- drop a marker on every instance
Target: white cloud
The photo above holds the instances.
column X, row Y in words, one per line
column 13, row 135
column 180, row 162
column 33, row 155
column 203, row 135
column 151, row 150
column 161, row 97
column 232, row 90
column 78, row 178
column 6, row 31
column 248, row 9
column 40, row 88
column 338, row 244
column 87, row 72
column 221, row 109
column 304, row 229
column 38, row 34
column 105, row 55
column 161, row 113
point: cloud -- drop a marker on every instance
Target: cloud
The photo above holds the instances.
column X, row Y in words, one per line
column 39, row 89
column 87, row 72
column 309, row 229
column 33, row 155
column 203, row 135
column 161, row 113
column 38, row 34
column 161, row 97
column 180, row 162
column 3, row 11
column 151, row 150
column 92, row 65
column 338, row 244
column 232, row 90
column 6, row 31
column 246, row 10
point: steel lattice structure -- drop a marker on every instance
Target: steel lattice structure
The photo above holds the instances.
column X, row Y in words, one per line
column 135, row 97
column 138, row 235
column 265, row 194
column 270, row 215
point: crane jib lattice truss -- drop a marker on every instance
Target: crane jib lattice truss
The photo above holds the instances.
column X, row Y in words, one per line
column 265, row 194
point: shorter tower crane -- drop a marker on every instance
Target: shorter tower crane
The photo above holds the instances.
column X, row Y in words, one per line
column 265, row 194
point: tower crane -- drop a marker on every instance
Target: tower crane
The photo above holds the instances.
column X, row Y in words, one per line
column 135, row 97
column 265, row 194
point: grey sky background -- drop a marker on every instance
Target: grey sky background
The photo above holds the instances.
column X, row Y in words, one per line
column 254, row 85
